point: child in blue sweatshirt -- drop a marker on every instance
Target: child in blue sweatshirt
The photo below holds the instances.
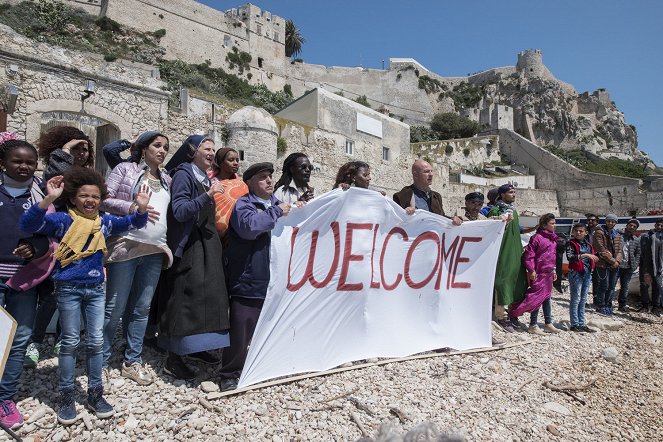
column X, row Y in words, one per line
column 79, row 274
column 24, row 261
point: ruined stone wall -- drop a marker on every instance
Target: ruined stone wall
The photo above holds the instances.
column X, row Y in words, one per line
column 578, row 191
column 461, row 153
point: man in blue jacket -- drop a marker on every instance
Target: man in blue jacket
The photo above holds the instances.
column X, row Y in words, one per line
column 246, row 261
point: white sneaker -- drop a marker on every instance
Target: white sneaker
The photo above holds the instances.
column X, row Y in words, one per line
column 549, row 328
column 535, row 330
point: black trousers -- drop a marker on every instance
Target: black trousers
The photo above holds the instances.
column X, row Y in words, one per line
column 244, row 314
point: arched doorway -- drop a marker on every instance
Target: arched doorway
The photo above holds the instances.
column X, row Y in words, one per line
column 100, row 131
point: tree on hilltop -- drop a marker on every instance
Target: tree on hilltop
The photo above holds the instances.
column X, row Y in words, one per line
column 450, row 125
column 293, row 40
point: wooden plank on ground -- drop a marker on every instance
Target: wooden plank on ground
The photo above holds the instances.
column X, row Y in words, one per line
column 300, row 377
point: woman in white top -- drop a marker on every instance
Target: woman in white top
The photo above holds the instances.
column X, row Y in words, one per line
column 136, row 258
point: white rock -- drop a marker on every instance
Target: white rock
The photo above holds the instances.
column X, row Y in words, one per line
column 606, row 324
column 131, row 423
column 209, row 386
column 610, row 354
column 557, row 408
column 653, row 340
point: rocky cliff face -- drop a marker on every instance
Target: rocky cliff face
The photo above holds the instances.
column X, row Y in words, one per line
column 556, row 114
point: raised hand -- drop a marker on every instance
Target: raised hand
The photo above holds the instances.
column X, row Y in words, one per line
column 71, row 143
column 55, row 186
column 143, row 198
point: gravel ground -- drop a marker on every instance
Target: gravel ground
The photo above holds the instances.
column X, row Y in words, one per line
column 496, row 395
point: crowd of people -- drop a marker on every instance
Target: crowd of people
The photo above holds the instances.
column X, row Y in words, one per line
column 178, row 253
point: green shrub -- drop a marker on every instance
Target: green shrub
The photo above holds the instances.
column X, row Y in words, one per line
column 466, row 152
column 419, row 134
column 362, row 99
column 448, row 149
column 281, row 146
column 429, row 84
column 287, row 89
column 238, row 58
column 450, row 125
column 466, row 95
column 159, row 33
column 108, row 24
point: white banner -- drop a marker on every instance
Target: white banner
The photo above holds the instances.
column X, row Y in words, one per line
column 353, row 277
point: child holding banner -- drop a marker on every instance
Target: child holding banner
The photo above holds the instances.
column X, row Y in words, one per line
column 79, row 274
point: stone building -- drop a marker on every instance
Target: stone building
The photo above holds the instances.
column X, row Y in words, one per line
column 333, row 130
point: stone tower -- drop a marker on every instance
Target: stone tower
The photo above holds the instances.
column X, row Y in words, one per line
column 530, row 63
column 253, row 133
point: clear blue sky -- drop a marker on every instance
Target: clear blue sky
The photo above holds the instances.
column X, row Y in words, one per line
column 591, row 44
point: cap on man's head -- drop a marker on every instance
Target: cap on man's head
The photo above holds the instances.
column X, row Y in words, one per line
column 504, row 188
column 634, row 221
column 474, row 196
column 254, row 169
column 611, row 217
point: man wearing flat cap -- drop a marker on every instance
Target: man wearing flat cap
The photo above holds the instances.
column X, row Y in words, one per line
column 246, row 261
column 472, row 209
column 608, row 247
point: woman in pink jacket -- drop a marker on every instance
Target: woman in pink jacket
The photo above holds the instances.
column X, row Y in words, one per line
column 136, row 258
column 539, row 261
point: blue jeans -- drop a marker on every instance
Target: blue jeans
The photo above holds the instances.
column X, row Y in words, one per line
column 73, row 299
column 607, row 279
column 547, row 313
column 624, row 280
column 129, row 290
column 579, row 285
column 23, row 307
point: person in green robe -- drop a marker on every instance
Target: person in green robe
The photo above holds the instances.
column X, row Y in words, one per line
column 510, row 276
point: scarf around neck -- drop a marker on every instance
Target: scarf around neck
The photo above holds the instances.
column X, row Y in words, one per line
column 36, row 194
column 71, row 246
column 505, row 207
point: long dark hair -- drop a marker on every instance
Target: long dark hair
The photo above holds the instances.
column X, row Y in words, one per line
column 290, row 160
column 142, row 143
column 348, row 171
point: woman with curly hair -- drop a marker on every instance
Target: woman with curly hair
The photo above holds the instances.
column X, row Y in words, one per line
column 62, row 147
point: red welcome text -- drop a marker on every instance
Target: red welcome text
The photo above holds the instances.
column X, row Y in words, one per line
column 448, row 259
